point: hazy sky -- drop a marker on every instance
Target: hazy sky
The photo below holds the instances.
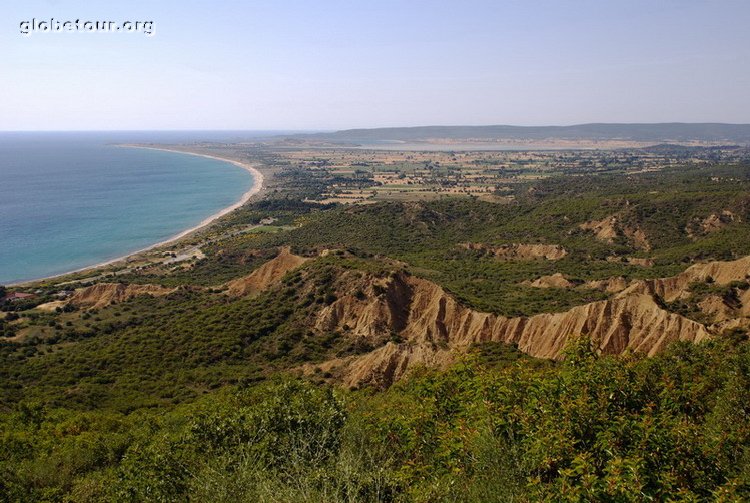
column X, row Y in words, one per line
column 321, row 64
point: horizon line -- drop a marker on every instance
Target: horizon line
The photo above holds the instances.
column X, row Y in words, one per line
column 327, row 130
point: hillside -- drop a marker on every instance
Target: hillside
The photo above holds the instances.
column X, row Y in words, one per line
column 583, row 335
column 651, row 133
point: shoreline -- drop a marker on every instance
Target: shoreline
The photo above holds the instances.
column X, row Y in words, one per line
column 254, row 189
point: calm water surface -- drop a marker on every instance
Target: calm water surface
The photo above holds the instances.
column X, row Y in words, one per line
column 71, row 200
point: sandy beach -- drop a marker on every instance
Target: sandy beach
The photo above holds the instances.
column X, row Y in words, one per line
column 254, row 189
column 257, row 185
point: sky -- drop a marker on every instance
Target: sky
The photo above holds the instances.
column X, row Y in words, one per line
column 329, row 64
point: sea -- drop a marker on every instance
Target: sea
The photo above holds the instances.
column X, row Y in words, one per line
column 69, row 200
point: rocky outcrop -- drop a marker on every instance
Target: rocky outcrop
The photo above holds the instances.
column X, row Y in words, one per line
column 634, row 322
column 376, row 309
column 716, row 222
column 610, row 228
column 389, row 363
column 604, row 230
column 519, row 251
column 266, row 275
column 641, row 262
column 105, row 294
column 744, row 308
column 51, row 307
column 716, row 309
column 556, row 280
column 638, row 237
column 730, row 307
column 712, row 223
column 675, row 287
column 434, row 327
column 413, row 322
column 610, row 285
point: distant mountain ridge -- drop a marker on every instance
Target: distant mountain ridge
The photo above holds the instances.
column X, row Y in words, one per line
column 645, row 132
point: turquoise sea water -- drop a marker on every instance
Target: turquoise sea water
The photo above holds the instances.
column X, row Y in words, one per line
column 71, row 200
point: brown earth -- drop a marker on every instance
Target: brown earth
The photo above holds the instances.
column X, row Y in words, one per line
column 611, row 285
column 104, row 294
column 266, row 275
column 50, row 307
column 556, row 280
column 518, row 251
column 716, row 308
column 604, row 230
column 641, row 262
column 413, row 322
column 675, row 287
column 712, row 223
column 610, row 228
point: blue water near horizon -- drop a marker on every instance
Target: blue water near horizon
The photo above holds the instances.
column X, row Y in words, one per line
column 72, row 200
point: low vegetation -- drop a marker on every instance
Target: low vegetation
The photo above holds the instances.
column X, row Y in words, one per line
column 670, row 428
column 198, row 395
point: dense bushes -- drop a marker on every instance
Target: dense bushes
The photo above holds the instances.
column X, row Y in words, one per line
column 670, row 428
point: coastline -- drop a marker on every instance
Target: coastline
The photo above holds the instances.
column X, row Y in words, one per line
column 254, row 189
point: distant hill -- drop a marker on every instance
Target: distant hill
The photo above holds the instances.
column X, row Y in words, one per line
column 658, row 133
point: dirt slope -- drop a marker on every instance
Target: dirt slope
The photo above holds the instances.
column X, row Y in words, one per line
column 104, row 294
column 610, row 228
column 266, row 275
column 675, row 287
column 556, row 280
column 611, row 285
column 432, row 327
column 519, row 251
column 712, row 223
